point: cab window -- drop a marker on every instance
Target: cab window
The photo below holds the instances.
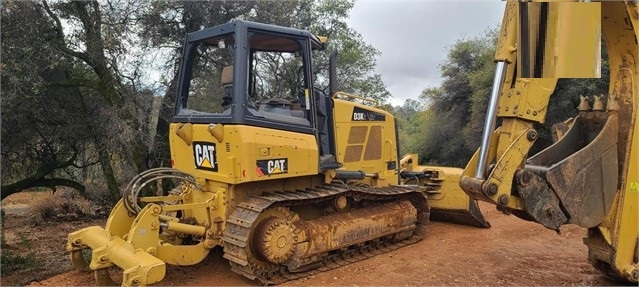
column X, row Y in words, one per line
column 211, row 77
column 277, row 79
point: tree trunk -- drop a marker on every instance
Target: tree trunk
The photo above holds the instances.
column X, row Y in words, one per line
column 107, row 168
column 31, row 182
column 161, row 154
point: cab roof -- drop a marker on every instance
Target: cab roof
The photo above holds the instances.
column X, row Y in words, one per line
column 262, row 42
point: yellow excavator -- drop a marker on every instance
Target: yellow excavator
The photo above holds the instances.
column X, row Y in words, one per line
column 589, row 176
column 292, row 180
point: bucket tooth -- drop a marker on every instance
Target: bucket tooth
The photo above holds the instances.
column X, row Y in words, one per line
column 102, row 278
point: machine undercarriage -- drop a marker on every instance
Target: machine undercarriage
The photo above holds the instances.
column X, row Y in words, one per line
column 282, row 236
column 272, row 237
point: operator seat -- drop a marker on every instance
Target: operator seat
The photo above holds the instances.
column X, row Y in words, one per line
column 227, row 84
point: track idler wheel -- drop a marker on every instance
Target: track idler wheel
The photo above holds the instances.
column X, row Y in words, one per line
column 278, row 240
column 275, row 237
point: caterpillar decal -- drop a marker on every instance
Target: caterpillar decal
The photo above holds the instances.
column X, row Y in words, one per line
column 272, row 166
column 204, row 156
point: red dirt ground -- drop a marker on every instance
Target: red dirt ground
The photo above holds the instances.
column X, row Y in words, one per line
column 513, row 252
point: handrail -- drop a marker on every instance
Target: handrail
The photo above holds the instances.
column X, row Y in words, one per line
column 376, row 102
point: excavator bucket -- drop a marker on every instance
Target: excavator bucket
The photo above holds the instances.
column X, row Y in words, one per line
column 557, row 184
column 447, row 201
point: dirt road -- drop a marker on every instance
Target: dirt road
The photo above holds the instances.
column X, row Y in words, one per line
column 513, row 252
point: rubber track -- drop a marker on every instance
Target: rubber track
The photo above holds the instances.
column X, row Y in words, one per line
column 238, row 228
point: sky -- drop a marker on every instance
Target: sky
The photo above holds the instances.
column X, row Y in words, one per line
column 414, row 37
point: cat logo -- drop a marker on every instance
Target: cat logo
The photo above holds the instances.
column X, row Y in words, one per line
column 204, row 155
column 272, row 166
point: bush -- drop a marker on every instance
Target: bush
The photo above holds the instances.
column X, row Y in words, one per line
column 98, row 193
column 62, row 206
column 12, row 261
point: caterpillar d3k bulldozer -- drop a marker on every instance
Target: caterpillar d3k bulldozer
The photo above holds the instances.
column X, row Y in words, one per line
column 290, row 180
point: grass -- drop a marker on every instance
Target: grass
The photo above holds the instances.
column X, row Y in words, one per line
column 45, row 208
column 12, row 261
column 25, row 197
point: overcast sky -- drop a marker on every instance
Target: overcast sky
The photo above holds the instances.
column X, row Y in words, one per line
column 414, row 37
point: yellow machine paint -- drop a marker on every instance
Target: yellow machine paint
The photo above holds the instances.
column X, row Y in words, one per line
column 289, row 184
column 226, row 165
column 242, row 153
column 563, row 50
column 586, row 177
column 366, row 145
column 445, row 198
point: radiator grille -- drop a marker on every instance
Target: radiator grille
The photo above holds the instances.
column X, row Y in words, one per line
column 374, row 144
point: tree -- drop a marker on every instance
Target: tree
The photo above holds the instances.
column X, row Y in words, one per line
column 97, row 42
column 73, row 97
column 456, row 108
column 449, row 130
column 164, row 27
column 91, row 110
column 43, row 131
column 356, row 58
column 408, row 122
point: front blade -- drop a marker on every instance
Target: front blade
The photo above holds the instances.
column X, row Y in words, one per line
column 471, row 215
column 447, row 201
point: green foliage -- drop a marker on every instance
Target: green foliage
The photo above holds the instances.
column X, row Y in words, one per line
column 447, row 131
column 444, row 132
column 409, row 118
column 356, row 58
column 74, row 111
column 43, row 123
column 12, row 261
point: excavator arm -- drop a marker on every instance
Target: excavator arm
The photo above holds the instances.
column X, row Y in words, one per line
column 589, row 176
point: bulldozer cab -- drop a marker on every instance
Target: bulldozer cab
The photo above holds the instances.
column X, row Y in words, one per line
column 248, row 73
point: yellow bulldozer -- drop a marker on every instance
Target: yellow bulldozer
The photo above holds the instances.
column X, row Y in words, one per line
column 291, row 180
column 287, row 181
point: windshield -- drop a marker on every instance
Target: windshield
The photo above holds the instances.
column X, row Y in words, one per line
column 277, row 89
column 269, row 85
column 209, row 92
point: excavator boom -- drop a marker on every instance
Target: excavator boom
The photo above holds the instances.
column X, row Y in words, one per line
column 589, row 175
